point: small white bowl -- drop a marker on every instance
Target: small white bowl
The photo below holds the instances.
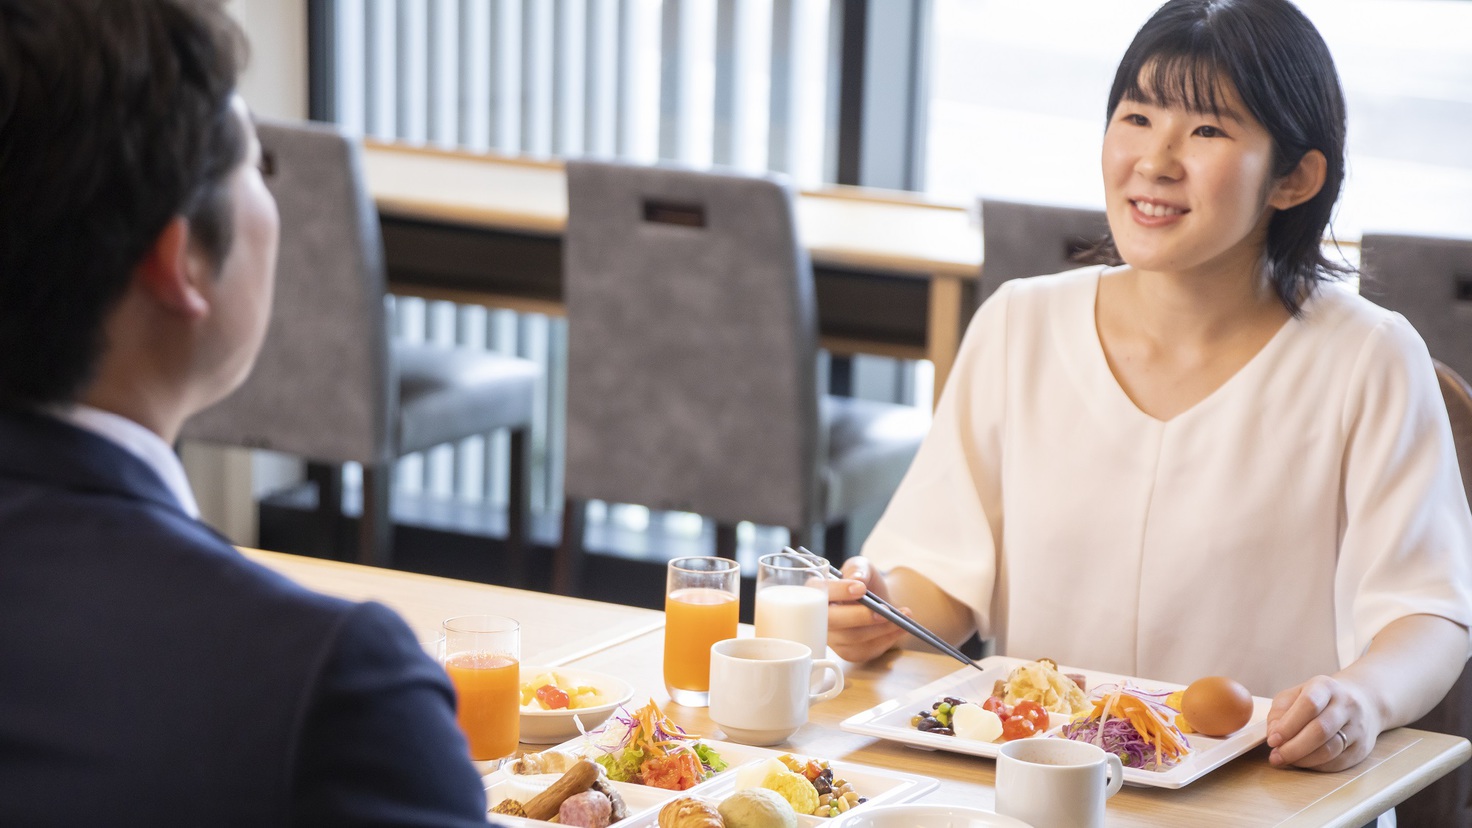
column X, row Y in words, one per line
column 550, row 727
column 926, row 816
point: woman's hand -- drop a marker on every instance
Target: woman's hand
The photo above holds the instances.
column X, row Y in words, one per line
column 1325, row 724
column 855, row 632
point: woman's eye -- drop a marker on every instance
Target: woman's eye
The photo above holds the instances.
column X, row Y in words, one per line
column 1136, row 119
column 1208, row 131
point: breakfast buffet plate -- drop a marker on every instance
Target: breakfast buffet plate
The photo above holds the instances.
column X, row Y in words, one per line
column 878, row 786
column 891, row 720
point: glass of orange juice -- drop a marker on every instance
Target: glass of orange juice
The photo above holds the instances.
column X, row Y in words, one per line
column 482, row 654
column 701, row 598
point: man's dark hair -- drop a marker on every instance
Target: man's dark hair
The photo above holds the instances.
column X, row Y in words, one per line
column 114, row 118
column 1281, row 67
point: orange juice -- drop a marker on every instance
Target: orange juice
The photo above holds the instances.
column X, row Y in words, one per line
column 489, row 702
column 695, row 619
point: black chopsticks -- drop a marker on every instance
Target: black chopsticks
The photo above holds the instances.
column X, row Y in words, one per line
column 887, row 610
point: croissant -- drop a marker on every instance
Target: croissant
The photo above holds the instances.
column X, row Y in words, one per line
column 689, row 812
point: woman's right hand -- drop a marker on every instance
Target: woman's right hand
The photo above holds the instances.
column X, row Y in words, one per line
column 855, row 632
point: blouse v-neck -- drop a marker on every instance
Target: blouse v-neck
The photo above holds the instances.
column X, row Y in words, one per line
column 1105, row 386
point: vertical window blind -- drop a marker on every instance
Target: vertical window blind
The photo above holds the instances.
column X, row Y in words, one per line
column 746, row 84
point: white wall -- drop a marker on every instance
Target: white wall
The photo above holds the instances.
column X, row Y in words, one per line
column 227, row 481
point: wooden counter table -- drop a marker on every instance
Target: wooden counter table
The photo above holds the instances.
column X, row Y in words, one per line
column 554, row 629
column 893, row 271
column 1245, row 792
column 629, row 642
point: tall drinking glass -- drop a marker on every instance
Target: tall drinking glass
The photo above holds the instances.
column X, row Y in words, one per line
column 701, row 598
column 792, row 600
column 483, row 657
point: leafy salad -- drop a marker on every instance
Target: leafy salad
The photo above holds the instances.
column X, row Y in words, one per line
column 1134, row 724
column 646, row 748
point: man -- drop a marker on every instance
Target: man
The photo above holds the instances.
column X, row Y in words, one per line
column 149, row 674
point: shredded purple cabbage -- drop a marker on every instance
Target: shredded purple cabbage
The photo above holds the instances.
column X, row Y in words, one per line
column 1119, row 737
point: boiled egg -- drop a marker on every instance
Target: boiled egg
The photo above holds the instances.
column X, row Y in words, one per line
column 1216, row 706
column 970, row 721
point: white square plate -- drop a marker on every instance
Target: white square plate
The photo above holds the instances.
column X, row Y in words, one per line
column 891, row 720
column 877, row 785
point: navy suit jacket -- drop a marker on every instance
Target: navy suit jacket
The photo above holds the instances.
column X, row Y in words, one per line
column 151, row 675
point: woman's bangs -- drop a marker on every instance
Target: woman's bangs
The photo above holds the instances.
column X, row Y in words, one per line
column 1189, row 82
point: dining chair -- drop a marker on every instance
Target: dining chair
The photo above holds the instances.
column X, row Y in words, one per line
column 1447, row 802
column 1428, row 281
column 330, row 385
column 692, row 363
column 1022, row 239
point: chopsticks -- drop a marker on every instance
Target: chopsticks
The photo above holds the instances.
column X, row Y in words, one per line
column 887, row 610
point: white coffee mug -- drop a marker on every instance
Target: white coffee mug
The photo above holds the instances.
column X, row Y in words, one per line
column 1056, row 783
column 760, row 688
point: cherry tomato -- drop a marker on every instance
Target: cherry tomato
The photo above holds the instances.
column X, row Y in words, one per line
column 551, row 697
column 1033, row 712
column 1017, row 727
column 997, row 706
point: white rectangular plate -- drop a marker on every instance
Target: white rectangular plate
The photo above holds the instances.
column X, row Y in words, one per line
column 876, row 785
column 891, row 720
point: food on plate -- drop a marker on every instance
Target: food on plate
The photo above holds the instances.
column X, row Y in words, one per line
column 797, row 789
column 991, row 721
column 552, row 690
column 581, row 797
column 689, row 812
column 1133, row 724
column 647, row 748
column 1216, row 706
column 589, row 809
column 548, row 761
column 970, row 721
column 1041, row 682
column 757, row 808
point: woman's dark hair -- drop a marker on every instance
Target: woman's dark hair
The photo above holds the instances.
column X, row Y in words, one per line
column 114, row 118
column 1281, row 68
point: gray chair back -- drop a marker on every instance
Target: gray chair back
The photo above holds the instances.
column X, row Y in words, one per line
column 1447, row 802
column 692, row 344
column 323, row 386
column 1429, row 282
column 1021, row 239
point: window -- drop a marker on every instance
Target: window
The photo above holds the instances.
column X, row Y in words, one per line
column 1018, row 94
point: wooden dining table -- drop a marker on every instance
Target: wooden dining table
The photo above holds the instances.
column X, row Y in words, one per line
column 895, row 273
column 629, row 642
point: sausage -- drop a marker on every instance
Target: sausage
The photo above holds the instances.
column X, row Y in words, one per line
column 589, row 809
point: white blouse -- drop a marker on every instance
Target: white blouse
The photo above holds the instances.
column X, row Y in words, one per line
column 1267, row 533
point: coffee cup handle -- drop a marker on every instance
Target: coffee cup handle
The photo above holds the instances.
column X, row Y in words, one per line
column 1116, row 775
column 827, row 664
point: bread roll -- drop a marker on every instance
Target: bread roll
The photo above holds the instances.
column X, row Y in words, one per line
column 689, row 812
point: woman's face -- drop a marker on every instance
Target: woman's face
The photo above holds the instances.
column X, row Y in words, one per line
column 1188, row 192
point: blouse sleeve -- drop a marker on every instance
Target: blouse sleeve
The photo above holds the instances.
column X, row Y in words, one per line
column 945, row 519
column 1406, row 547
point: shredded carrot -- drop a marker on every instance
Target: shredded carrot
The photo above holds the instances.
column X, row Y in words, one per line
column 1155, row 730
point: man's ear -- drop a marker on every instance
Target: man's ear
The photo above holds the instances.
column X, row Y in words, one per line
column 171, row 271
column 1302, row 183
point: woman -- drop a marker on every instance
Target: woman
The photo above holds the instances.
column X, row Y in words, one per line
column 1209, row 460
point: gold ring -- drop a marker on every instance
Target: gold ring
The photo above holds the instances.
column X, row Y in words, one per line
column 1343, row 741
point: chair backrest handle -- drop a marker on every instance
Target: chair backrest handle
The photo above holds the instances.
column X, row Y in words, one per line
column 670, row 212
column 1462, row 285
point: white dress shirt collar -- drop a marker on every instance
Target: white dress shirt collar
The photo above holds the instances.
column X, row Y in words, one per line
column 138, row 441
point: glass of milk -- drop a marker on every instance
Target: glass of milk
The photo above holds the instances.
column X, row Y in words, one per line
column 792, row 600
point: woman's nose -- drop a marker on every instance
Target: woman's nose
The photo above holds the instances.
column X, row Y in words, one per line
column 1160, row 159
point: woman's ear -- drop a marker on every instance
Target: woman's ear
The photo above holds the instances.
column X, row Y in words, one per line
column 171, row 270
column 1302, row 183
